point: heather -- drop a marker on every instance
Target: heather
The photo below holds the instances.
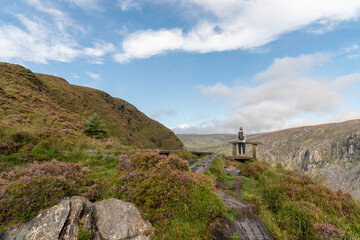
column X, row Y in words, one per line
column 179, row 203
column 294, row 206
column 27, row 191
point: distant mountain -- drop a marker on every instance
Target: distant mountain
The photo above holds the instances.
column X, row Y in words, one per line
column 49, row 108
column 328, row 152
column 207, row 143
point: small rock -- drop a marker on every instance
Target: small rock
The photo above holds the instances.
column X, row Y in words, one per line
column 233, row 170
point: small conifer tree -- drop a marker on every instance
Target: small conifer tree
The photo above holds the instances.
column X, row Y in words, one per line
column 95, row 127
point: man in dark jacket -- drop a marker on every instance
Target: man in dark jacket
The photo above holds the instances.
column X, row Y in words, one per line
column 241, row 138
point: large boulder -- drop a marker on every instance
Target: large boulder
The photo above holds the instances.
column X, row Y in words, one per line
column 117, row 220
column 110, row 219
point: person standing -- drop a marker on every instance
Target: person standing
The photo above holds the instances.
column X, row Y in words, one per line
column 241, row 138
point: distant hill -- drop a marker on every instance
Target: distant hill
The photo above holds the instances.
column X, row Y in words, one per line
column 207, row 143
column 52, row 109
column 328, row 152
column 213, row 142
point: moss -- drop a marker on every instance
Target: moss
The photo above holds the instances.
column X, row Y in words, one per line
column 83, row 234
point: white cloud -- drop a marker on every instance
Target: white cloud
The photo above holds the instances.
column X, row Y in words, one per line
column 127, row 5
column 183, row 126
column 145, row 44
column 289, row 95
column 100, row 49
column 85, row 4
column 352, row 51
column 51, row 38
column 345, row 115
column 344, row 82
column 74, row 75
column 164, row 112
column 230, row 25
column 289, row 68
column 94, row 76
column 37, row 42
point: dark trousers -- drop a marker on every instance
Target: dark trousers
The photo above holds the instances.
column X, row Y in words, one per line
column 241, row 145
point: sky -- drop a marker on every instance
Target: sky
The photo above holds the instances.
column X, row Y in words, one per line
column 199, row 66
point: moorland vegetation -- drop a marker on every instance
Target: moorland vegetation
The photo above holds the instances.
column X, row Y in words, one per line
column 45, row 157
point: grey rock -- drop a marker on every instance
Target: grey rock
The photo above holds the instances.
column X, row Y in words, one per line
column 47, row 225
column 233, row 170
column 96, row 236
column 116, row 219
column 11, row 233
column 71, row 228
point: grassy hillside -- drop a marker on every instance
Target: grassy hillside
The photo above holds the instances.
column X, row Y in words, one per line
column 52, row 111
column 292, row 205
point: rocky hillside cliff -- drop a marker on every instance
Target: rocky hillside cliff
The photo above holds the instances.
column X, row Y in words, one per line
column 328, row 152
column 49, row 105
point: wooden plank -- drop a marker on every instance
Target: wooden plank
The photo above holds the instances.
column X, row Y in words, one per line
column 254, row 151
column 234, row 149
column 238, row 157
column 253, row 143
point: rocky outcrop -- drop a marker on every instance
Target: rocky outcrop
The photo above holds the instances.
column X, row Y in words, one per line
column 110, row 219
column 328, row 152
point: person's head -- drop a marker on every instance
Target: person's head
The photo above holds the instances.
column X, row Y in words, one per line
column 241, row 128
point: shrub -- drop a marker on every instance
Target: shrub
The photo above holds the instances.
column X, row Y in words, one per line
column 216, row 170
column 180, row 204
column 40, row 154
column 31, row 194
column 329, row 232
column 184, row 154
column 254, row 169
column 40, row 186
column 22, row 137
column 299, row 217
column 95, row 127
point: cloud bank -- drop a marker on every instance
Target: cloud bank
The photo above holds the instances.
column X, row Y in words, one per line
column 48, row 34
column 231, row 25
column 286, row 94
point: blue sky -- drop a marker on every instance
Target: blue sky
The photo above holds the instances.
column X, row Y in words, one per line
column 199, row 66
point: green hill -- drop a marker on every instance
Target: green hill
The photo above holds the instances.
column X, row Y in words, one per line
column 52, row 111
